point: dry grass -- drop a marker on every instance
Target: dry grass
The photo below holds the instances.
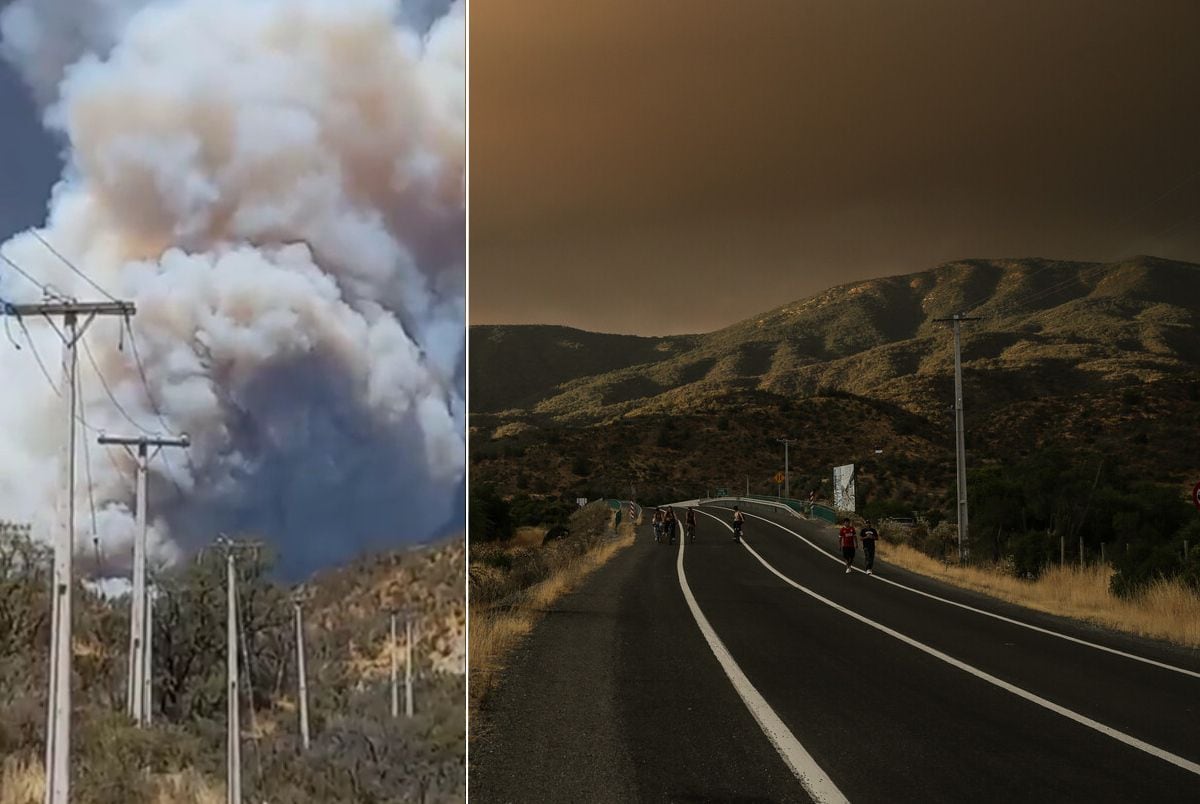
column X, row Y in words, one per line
column 496, row 630
column 528, row 537
column 1166, row 610
column 187, row 787
column 22, row 781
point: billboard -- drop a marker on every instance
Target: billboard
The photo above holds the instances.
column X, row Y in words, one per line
column 843, row 487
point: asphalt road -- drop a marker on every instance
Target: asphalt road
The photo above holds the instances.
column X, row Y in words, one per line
column 825, row 686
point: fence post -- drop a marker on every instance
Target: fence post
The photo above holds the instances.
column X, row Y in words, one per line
column 1062, row 551
column 1081, row 552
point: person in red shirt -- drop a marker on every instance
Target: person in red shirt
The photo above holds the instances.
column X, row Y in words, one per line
column 848, row 539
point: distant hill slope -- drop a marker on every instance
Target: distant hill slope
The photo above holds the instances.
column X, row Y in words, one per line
column 1047, row 328
column 1089, row 358
column 518, row 366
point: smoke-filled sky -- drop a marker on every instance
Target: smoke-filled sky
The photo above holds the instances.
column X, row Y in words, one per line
column 278, row 185
column 675, row 166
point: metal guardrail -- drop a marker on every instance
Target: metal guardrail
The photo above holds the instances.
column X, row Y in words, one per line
column 799, row 507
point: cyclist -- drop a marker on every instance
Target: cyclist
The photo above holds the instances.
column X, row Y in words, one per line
column 690, row 525
column 739, row 519
column 669, row 525
column 658, row 524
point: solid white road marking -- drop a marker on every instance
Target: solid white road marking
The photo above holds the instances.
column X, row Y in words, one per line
column 1120, row 736
column 815, row 781
column 1031, row 627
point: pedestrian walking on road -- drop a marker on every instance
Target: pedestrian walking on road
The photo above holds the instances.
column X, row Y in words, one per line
column 847, row 538
column 868, row 537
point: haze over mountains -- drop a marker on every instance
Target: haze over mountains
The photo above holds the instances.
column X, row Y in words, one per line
column 1059, row 356
column 1045, row 327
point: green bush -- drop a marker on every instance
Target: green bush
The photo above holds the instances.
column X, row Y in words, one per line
column 490, row 515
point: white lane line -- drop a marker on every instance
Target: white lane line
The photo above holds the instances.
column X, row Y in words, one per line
column 815, row 781
column 1120, row 736
column 984, row 612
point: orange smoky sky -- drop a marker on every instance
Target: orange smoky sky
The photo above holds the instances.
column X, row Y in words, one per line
column 673, row 166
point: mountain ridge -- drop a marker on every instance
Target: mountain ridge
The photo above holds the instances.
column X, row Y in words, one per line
column 1087, row 357
column 1134, row 319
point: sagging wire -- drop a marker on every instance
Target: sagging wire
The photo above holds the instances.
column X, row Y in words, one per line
column 70, row 265
column 37, row 357
column 87, row 462
column 108, row 390
column 141, row 367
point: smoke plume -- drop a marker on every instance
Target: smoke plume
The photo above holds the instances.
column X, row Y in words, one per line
column 278, row 185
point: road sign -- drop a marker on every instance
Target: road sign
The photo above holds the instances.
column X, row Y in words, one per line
column 779, row 477
column 581, row 501
column 722, row 493
column 1196, row 495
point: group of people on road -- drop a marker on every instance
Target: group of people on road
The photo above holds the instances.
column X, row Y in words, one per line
column 848, row 538
column 665, row 522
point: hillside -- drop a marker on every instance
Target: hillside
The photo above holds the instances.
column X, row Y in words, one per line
column 1047, row 328
column 517, row 366
column 1090, row 357
column 358, row 752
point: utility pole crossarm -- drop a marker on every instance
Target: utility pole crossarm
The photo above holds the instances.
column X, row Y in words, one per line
column 119, row 308
column 150, row 441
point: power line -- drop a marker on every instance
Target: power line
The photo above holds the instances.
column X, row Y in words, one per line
column 1027, row 298
column 41, row 365
column 38, row 357
column 1037, row 295
column 171, row 475
column 87, row 463
column 45, row 290
column 1154, row 202
column 141, row 367
column 104, row 383
column 70, row 265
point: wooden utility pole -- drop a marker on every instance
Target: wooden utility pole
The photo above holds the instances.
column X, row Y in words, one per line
column 395, row 690
column 233, row 737
column 141, row 623
column 302, row 682
column 964, row 543
column 408, row 662
column 58, row 707
column 787, row 474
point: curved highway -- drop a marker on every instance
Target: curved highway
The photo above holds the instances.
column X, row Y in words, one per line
column 760, row 671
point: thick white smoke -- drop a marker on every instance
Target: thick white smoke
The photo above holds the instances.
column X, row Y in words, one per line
column 278, row 186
